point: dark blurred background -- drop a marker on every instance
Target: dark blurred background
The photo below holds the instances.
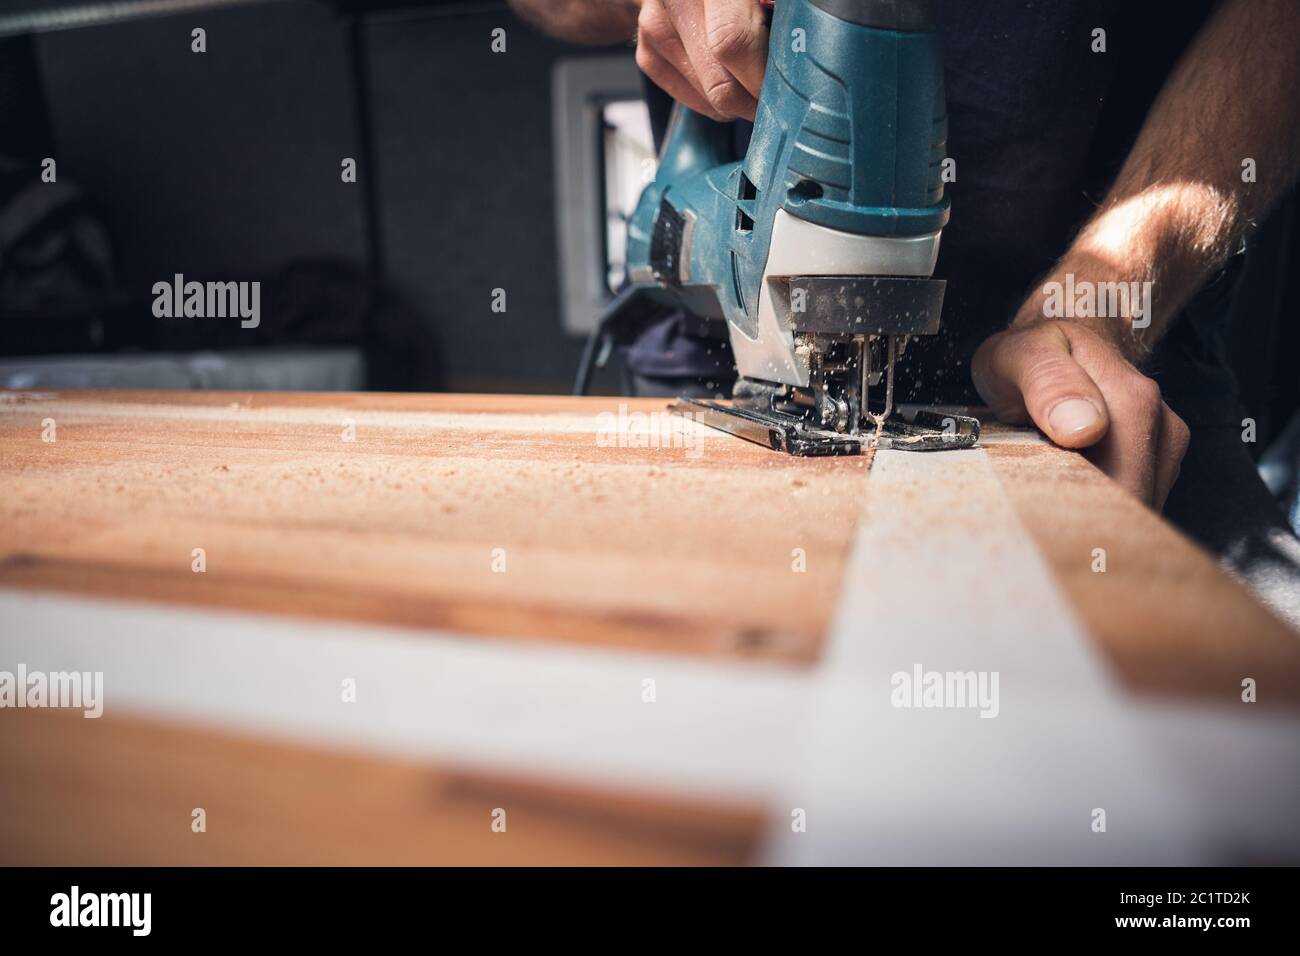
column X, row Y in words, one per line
column 226, row 166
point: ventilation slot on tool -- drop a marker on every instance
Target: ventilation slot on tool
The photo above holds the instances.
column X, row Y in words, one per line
column 748, row 194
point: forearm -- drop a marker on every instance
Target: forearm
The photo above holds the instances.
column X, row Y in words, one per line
column 1182, row 202
column 582, row 21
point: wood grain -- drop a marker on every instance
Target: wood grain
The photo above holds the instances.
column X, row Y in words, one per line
column 657, row 548
column 660, row 548
column 120, row 791
column 1168, row 619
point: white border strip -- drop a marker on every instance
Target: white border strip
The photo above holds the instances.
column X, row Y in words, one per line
column 715, row 729
column 944, row 577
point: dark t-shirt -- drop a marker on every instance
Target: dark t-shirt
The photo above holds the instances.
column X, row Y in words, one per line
column 1038, row 125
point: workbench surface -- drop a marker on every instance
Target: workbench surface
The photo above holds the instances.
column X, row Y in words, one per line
column 535, row 535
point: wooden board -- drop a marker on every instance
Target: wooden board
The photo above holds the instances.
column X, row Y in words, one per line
column 122, row 791
column 626, row 546
column 389, row 509
column 1167, row 618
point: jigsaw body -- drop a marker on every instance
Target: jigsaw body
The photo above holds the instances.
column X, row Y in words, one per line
column 816, row 249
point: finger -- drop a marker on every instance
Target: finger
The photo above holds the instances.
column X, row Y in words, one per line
column 725, row 94
column 660, row 25
column 1030, row 374
column 1128, row 453
column 670, row 80
column 737, row 34
column 1174, row 439
column 665, row 72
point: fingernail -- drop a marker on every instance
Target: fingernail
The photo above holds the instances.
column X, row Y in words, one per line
column 1072, row 416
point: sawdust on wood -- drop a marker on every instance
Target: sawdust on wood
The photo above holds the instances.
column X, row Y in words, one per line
column 692, row 549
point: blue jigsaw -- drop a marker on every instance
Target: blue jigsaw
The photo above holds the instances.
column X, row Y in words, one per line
column 818, row 249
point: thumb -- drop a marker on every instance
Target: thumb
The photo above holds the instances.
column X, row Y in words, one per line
column 1029, row 374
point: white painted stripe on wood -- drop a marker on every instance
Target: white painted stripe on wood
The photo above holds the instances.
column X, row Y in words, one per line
column 715, row 729
column 943, row 576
